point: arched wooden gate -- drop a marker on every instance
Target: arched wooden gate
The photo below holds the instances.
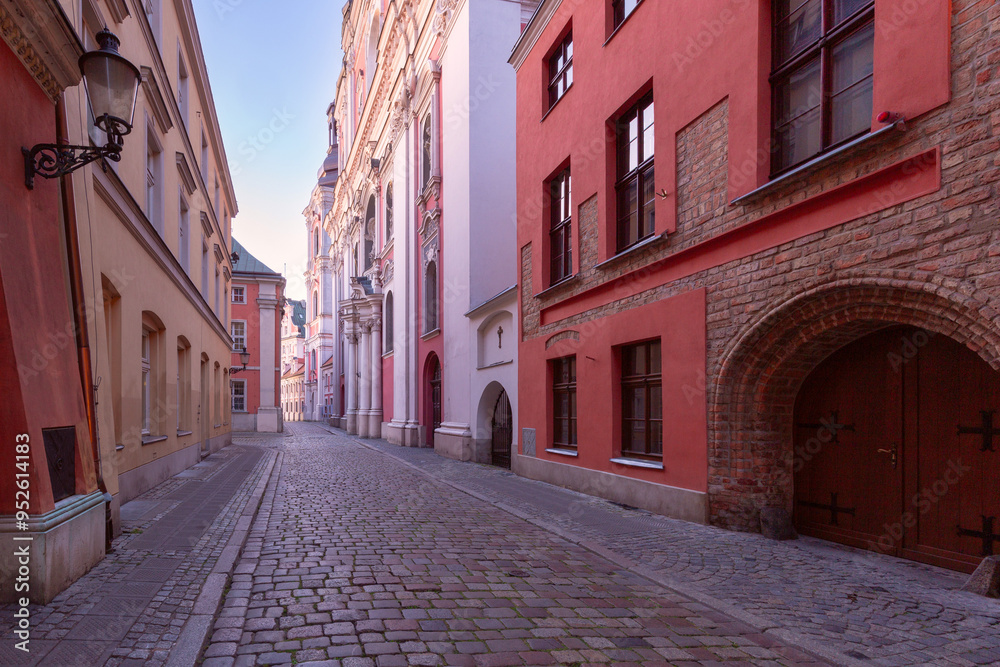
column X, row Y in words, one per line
column 503, row 431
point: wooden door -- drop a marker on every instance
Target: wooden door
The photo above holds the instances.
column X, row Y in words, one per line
column 953, row 479
column 848, row 428
column 897, row 449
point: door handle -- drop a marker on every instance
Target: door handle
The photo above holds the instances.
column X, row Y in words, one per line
column 893, row 455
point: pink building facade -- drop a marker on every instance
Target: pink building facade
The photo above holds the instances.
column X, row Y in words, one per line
column 257, row 294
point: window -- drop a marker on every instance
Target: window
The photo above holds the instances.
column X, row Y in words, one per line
column 154, row 180
column 823, row 57
column 146, row 382
column 239, row 294
column 564, row 403
column 217, row 292
column 388, row 212
column 561, row 69
column 183, row 384
column 425, row 153
column 622, row 9
column 561, row 229
column 238, row 329
column 316, row 242
column 636, row 196
column 204, row 269
column 184, row 233
column 182, row 87
column 387, row 316
column 315, row 304
column 204, row 156
column 239, row 394
column 369, row 233
column 430, row 298
column 642, row 401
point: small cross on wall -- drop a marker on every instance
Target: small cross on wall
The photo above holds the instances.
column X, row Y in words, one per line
column 500, row 337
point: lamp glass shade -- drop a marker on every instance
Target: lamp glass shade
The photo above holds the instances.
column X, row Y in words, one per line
column 112, row 84
column 244, row 357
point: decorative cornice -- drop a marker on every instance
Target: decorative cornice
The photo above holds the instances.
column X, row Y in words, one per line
column 151, row 90
column 185, row 172
column 206, row 225
column 44, row 41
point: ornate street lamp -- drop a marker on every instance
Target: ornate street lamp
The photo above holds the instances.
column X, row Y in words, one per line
column 244, row 359
column 112, row 83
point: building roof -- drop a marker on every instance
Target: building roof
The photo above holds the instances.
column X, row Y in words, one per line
column 247, row 263
column 328, row 362
column 297, row 368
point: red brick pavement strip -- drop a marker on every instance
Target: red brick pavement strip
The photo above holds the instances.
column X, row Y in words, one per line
column 356, row 559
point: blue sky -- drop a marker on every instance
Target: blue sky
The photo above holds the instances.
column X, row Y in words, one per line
column 273, row 69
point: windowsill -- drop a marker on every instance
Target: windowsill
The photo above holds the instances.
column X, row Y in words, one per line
column 641, row 245
column 218, row 426
column 624, row 21
column 563, row 452
column 637, row 463
column 150, row 439
column 817, row 162
column 386, row 355
column 430, row 334
column 571, row 279
column 181, row 434
column 119, row 447
column 556, row 103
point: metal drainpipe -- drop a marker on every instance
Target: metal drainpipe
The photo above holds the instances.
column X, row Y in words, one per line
column 80, row 319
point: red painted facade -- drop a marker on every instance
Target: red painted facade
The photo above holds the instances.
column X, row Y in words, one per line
column 39, row 367
column 894, row 217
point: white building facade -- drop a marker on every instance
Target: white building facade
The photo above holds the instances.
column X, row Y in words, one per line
column 320, row 304
column 422, row 225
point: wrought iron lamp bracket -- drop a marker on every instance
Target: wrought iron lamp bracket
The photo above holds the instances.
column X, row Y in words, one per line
column 55, row 160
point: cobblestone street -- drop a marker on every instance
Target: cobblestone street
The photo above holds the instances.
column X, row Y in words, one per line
column 314, row 547
column 358, row 559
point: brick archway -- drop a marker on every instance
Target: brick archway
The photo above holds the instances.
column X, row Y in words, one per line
column 750, row 421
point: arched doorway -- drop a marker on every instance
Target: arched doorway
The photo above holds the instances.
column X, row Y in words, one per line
column 758, row 449
column 432, row 398
column 897, row 434
column 502, row 431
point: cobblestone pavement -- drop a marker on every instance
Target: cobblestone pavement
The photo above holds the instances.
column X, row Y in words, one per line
column 847, row 605
column 132, row 608
column 357, row 559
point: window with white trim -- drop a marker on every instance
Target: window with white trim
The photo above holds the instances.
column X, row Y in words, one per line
column 238, row 330
column 239, row 394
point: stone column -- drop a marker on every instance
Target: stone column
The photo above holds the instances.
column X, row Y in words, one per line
column 351, row 382
column 375, row 420
column 365, row 384
column 267, row 411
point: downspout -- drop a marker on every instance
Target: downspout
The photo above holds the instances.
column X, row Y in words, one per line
column 80, row 319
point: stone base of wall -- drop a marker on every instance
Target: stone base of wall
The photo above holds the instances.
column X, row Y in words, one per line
column 666, row 500
column 244, row 422
column 402, row 434
column 268, row 420
column 65, row 544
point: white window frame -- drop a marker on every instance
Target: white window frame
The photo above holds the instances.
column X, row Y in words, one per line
column 242, row 394
column 242, row 294
column 238, row 347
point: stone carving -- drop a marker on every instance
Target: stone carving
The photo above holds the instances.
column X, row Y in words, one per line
column 387, row 269
column 442, row 17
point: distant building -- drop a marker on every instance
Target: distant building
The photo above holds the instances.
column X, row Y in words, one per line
column 257, row 293
column 321, row 323
column 293, row 391
column 293, row 332
column 423, row 225
column 129, row 385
